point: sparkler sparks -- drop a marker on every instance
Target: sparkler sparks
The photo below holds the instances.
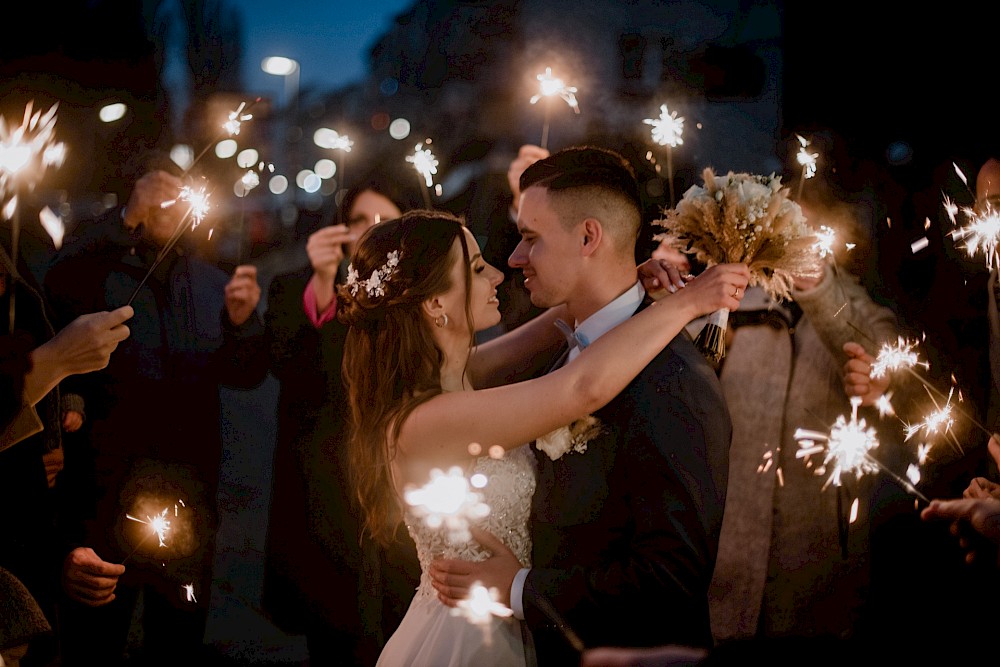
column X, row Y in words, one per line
column 235, row 120
column 550, row 86
column 28, row 150
column 848, row 449
column 481, row 606
column 825, row 239
column 448, row 502
column 806, row 159
column 159, row 524
column 197, row 209
column 982, row 233
column 939, row 420
column 424, row 162
column 808, row 162
column 896, row 357
column 847, row 446
column 667, row 128
column 189, row 593
column 666, row 131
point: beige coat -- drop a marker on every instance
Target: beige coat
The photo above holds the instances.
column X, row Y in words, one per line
column 785, row 560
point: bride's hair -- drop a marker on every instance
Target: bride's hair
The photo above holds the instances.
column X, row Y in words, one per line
column 391, row 362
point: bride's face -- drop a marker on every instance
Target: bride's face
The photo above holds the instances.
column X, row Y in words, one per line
column 483, row 303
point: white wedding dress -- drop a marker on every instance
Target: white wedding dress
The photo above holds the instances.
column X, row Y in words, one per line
column 433, row 635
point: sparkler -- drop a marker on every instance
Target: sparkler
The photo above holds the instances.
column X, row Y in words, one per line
column 158, row 524
column 189, row 593
column 666, row 131
column 808, row 162
column 549, row 86
column 982, row 233
column 26, row 152
column 197, row 209
column 825, row 239
column 332, row 140
column 847, row 450
column 481, row 606
column 447, row 501
column 426, row 164
column 197, row 199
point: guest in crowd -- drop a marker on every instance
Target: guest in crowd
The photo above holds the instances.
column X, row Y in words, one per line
column 348, row 611
column 792, row 562
column 34, row 360
column 153, row 425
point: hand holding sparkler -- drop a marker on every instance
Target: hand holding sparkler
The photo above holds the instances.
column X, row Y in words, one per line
column 975, row 521
column 242, row 294
column 145, row 205
column 326, row 251
column 82, row 346
column 527, row 155
column 858, row 377
column 88, row 579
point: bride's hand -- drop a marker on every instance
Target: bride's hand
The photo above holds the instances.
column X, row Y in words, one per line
column 717, row 287
column 661, row 277
column 453, row 579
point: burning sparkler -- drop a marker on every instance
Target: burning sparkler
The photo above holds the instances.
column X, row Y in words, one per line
column 189, row 593
column 825, row 238
column 549, row 86
column 666, row 131
column 426, row 164
column 846, row 449
column 159, row 525
column 982, row 233
column 26, row 152
column 198, row 207
column 896, row 357
column 448, row 502
column 808, row 162
column 332, row 140
column 480, row 607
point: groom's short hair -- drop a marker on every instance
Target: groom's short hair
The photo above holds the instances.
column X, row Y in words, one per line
column 587, row 181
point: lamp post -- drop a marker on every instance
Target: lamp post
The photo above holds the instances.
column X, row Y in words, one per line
column 289, row 70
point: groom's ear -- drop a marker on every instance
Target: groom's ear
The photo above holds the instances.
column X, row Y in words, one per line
column 593, row 233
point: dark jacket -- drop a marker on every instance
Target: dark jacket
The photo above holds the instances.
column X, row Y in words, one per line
column 313, row 527
column 625, row 535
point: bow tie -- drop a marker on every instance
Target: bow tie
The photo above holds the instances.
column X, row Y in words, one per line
column 573, row 338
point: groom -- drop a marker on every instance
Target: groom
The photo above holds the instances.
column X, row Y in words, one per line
column 625, row 532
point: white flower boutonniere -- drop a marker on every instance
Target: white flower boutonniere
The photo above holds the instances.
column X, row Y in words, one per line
column 570, row 438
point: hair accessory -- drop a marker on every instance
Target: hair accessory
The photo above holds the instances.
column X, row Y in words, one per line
column 375, row 285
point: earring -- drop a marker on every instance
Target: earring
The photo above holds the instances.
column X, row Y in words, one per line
column 441, row 321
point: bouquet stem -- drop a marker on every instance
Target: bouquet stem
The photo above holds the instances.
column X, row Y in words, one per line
column 712, row 339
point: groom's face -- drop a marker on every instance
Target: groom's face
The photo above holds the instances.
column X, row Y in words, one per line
column 548, row 254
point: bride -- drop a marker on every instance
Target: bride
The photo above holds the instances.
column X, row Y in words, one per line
column 417, row 291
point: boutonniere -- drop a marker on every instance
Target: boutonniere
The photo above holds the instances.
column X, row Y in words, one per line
column 570, row 438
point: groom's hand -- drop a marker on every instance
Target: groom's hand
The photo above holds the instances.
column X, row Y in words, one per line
column 453, row 578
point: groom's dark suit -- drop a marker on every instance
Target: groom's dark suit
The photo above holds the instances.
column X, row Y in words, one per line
column 625, row 534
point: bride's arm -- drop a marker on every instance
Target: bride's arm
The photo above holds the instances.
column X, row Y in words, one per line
column 525, row 351
column 519, row 353
column 439, row 431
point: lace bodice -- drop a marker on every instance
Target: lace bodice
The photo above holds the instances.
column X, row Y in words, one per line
column 509, row 487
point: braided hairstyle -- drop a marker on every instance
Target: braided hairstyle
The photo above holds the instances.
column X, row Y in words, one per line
column 391, row 361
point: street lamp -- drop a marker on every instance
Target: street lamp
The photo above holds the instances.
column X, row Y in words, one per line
column 289, row 69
